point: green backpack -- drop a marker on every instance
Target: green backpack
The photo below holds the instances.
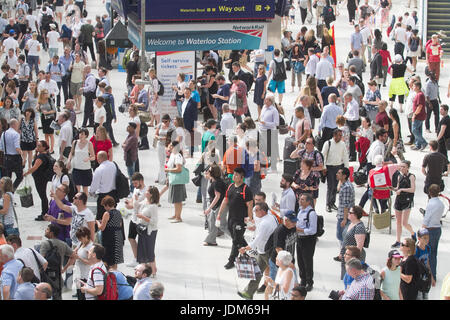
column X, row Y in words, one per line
column 126, row 57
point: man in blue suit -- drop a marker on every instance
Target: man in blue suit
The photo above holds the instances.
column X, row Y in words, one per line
column 189, row 112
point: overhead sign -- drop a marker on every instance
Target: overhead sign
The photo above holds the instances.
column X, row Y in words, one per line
column 194, row 37
column 207, row 10
column 168, row 66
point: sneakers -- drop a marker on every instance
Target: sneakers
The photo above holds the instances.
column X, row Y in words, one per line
column 245, row 295
column 261, row 289
column 329, row 209
column 423, row 147
column 414, row 148
column 396, row 245
column 132, row 264
column 229, row 265
column 309, row 287
column 333, row 206
column 39, row 218
column 337, row 258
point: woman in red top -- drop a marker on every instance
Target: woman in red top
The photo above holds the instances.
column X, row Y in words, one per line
column 101, row 142
column 385, row 60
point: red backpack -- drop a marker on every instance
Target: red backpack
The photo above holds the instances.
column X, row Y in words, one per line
column 110, row 291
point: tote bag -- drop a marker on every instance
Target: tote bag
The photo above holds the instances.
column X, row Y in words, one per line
column 179, row 177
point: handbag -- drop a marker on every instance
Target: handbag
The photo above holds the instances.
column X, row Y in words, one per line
column 179, row 177
column 400, row 146
column 367, row 239
column 283, row 129
column 197, row 180
column 247, row 267
column 382, row 220
column 314, row 111
column 26, row 196
column 299, row 67
column 141, row 229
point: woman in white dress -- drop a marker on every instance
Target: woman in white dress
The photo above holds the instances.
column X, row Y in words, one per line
column 285, row 278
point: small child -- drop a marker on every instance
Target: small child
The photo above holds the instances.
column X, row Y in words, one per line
column 292, row 15
column 423, row 251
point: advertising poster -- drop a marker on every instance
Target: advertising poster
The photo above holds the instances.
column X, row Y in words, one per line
column 168, row 66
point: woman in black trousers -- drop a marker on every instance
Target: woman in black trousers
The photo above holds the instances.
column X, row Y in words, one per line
column 41, row 163
column 351, row 7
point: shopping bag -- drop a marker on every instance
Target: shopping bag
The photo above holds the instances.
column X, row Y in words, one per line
column 26, row 196
column 247, row 267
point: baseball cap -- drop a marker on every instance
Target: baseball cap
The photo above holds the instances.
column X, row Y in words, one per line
column 394, row 254
column 422, row 232
column 291, row 216
column 12, row 31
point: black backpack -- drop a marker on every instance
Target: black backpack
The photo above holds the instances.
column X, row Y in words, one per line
column 423, row 282
column 72, row 188
column 279, row 74
column 108, row 109
column 320, row 223
column 49, row 173
column 161, row 88
column 414, row 44
column 360, row 84
column 143, row 130
column 328, row 14
column 53, row 270
column 122, row 184
column 46, row 20
column 247, row 77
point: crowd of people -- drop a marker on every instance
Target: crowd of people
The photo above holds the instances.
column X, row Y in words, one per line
column 236, row 150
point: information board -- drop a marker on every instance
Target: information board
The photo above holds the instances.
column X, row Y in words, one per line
column 207, row 10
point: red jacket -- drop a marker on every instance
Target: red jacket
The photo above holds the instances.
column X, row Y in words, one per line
column 362, row 145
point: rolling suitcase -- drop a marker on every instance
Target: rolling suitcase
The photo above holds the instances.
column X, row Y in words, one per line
column 289, row 147
column 290, row 166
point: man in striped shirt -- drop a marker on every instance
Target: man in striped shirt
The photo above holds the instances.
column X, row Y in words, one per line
column 362, row 288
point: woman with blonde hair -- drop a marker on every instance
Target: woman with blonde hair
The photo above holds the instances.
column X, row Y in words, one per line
column 409, row 270
column 48, row 113
column 101, row 142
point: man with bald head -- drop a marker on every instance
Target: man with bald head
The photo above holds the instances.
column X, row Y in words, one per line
column 43, row 291
column 104, row 182
column 10, row 145
column 88, row 90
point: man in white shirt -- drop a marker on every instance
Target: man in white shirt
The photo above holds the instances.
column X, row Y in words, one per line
column 12, row 60
column 265, row 225
column 103, row 182
column 132, row 204
column 227, row 127
column 141, row 290
column 311, row 65
column 335, row 156
column 351, row 114
column 401, row 39
column 28, row 256
column 376, row 148
column 50, row 85
column 65, row 136
column 409, row 20
column 10, row 42
column 82, row 216
column 324, row 70
column 32, row 21
column 53, row 37
column 95, row 282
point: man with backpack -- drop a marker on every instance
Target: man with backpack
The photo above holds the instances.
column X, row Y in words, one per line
column 307, row 232
column 239, row 198
column 95, row 283
column 54, row 251
column 277, row 70
column 28, row 256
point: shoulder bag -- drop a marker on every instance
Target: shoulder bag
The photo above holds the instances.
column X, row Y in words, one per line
column 179, row 177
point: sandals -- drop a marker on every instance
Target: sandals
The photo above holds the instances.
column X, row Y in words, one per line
column 176, row 221
column 171, row 218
